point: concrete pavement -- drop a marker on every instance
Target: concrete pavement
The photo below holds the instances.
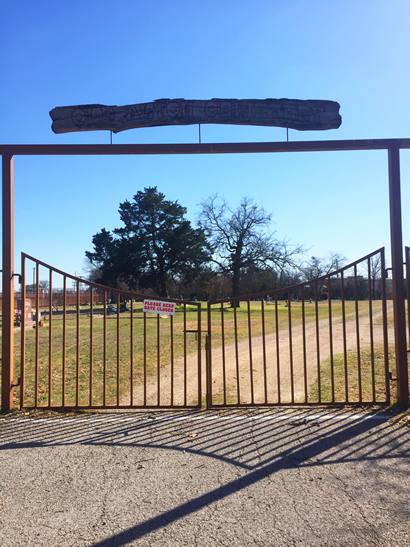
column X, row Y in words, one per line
column 261, row 477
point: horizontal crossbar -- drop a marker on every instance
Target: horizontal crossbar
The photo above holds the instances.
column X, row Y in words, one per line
column 201, row 148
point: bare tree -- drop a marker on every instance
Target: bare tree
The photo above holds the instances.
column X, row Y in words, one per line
column 318, row 267
column 239, row 240
column 375, row 273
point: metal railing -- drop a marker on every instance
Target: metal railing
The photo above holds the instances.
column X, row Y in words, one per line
column 103, row 351
column 324, row 341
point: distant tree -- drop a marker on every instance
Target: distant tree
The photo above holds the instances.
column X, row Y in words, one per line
column 376, row 275
column 318, row 267
column 155, row 245
column 239, row 240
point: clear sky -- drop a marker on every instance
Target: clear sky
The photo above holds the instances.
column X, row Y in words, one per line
column 125, row 51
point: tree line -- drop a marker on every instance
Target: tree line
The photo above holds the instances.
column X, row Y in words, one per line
column 230, row 251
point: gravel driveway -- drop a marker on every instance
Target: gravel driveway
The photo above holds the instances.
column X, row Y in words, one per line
column 271, row 477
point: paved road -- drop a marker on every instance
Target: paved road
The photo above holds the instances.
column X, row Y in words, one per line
column 272, row 477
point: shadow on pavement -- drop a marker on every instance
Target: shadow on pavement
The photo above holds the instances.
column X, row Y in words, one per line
column 259, row 443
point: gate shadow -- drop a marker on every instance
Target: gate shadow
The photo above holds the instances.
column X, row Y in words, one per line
column 258, row 443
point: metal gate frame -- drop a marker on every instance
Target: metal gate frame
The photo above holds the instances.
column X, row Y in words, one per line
column 334, row 289
column 392, row 146
column 89, row 291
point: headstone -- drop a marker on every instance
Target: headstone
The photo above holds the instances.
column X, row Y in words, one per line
column 28, row 313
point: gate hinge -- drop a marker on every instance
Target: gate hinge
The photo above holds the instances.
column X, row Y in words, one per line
column 391, row 377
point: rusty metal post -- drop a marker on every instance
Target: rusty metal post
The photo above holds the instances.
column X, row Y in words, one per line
column 396, row 239
column 7, row 352
column 208, row 362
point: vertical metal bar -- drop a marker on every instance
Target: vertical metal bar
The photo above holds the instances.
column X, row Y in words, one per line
column 346, row 375
column 159, row 362
column 63, row 353
column 292, row 387
column 319, row 382
column 208, row 349
column 305, row 386
column 37, row 336
column 265, row 382
column 90, row 386
column 132, row 353
column 385, row 330
column 199, row 350
column 105, row 349
column 145, row 358
column 235, row 328
column 398, row 281
column 370, row 291
column 277, row 348
column 359, row 360
column 77, row 343
column 50, row 325
column 118, row 349
column 7, row 347
column 407, row 261
column 250, row 351
column 171, row 326
column 332, row 364
column 23, row 329
column 223, row 352
column 185, row 363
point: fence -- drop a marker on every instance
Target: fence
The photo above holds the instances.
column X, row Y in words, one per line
column 103, row 350
column 320, row 342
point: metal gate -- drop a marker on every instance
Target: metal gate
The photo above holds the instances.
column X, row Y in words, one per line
column 85, row 345
column 324, row 341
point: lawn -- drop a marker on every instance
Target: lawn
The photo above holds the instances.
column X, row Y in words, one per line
column 349, row 382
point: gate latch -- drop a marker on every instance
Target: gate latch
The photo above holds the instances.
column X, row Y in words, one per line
column 16, row 384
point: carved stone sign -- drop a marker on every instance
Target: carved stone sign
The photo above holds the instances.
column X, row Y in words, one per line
column 292, row 113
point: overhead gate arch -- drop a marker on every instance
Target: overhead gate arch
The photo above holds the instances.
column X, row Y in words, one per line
column 392, row 147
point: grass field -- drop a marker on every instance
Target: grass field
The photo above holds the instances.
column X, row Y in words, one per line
column 158, row 348
column 348, row 382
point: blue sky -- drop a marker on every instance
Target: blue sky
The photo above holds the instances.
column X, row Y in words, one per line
column 74, row 52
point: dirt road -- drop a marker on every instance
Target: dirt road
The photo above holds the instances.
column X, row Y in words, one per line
column 239, row 362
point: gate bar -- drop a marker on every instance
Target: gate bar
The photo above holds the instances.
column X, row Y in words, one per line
column 202, row 148
column 7, row 351
column 396, row 237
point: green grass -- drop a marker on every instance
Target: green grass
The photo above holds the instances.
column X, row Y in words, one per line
column 270, row 318
column 123, row 361
column 350, row 380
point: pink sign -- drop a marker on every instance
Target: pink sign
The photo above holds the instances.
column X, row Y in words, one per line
column 160, row 307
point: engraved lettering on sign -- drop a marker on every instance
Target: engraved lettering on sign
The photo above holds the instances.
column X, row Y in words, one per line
column 291, row 113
